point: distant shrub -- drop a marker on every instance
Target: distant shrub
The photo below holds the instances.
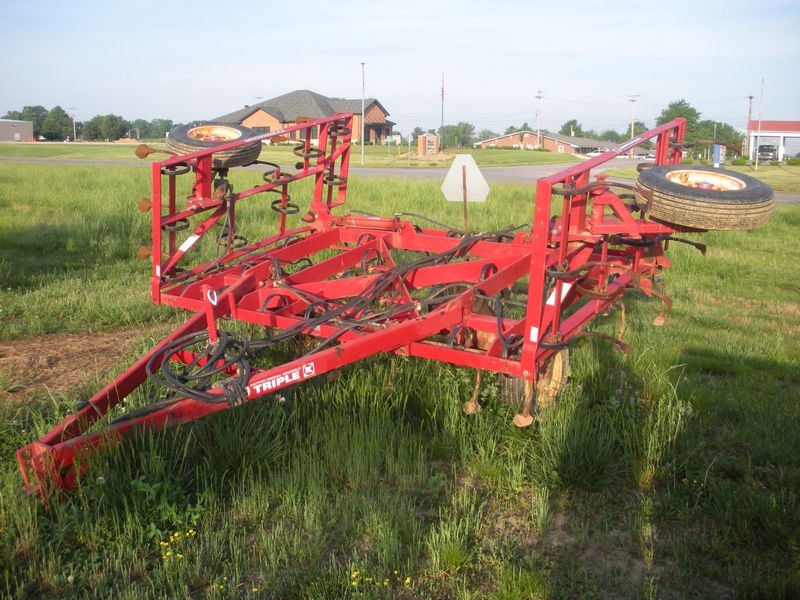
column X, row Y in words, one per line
column 703, row 161
column 774, row 163
column 793, row 162
column 687, row 161
column 739, row 162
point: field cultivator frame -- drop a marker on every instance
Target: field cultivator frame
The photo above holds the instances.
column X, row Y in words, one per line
column 338, row 280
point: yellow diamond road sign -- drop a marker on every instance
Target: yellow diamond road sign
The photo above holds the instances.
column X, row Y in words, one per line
column 465, row 178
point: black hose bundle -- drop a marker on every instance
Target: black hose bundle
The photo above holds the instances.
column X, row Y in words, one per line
column 195, row 378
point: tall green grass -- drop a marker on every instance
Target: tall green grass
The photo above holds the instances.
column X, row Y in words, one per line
column 674, row 472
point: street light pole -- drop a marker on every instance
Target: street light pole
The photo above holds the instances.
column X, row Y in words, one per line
column 362, row 112
column 74, row 129
column 758, row 136
column 746, row 143
column 632, row 99
column 539, row 97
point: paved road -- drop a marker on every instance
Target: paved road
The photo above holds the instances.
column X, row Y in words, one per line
column 519, row 174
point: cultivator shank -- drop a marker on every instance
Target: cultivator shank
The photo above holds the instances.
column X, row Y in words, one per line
column 353, row 285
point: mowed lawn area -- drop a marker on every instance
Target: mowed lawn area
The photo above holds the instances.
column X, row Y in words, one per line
column 374, row 156
column 675, row 473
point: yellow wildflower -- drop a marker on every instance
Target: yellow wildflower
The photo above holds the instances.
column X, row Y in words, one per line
column 407, row 581
column 254, row 590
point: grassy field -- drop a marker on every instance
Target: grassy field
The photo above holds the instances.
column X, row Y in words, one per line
column 673, row 474
column 780, row 178
column 374, row 156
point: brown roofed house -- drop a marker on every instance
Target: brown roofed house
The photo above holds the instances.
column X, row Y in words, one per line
column 282, row 111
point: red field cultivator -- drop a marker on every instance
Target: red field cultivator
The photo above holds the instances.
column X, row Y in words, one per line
column 351, row 285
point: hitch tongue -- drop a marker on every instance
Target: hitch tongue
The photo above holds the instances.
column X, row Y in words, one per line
column 143, row 151
column 698, row 245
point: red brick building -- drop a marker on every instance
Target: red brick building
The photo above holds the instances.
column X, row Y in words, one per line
column 285, row 110
column 551, row 142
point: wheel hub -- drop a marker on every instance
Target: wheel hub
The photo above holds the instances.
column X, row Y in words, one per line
column 214, row 133
column 706, row 180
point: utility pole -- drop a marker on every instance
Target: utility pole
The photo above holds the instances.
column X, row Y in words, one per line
column 758, row 136
column 632, row 99
column 74, row 129
column 746, row 143
column 362, row 112
column 539, row 96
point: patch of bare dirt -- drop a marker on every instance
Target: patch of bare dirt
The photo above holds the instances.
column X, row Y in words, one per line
column 60, row 362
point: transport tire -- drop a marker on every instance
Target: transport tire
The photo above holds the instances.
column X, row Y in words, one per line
column 704, row 197
column 204, row 135
column 553, row 378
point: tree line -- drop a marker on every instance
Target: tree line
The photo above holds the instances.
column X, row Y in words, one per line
column 464, row 134
column 56, row 124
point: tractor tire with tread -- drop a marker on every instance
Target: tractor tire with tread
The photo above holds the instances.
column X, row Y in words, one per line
column 679, row 195
column 204, row 135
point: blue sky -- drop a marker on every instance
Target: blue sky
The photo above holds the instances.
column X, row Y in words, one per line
column 193, row 60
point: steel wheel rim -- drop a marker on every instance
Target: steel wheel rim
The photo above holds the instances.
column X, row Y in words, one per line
column 214, row 133
column 706, row 180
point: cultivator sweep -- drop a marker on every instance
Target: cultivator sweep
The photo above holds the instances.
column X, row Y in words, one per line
column 352, row 285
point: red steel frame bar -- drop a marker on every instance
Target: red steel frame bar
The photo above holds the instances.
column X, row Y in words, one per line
column 558, row 254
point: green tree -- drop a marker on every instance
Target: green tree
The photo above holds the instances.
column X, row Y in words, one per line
column 91, row 129
column 681, row 108
column 57, row 124
column 638, row 129
column 105, row 127
column 418, row 131
column 610, row 135
column 140, row 127
column 36, row 114
column 716, row 131
column 459, row 135
column 515, row 129
column 571, row 127
column 160, row 127
column 487, row 134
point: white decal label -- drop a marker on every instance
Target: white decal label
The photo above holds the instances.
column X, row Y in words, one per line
column 189, row 242
column 283, row 379
column 627, row 144
column 534, row 334
column 564, row 291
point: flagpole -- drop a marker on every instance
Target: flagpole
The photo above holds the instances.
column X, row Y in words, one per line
column 441, row 130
